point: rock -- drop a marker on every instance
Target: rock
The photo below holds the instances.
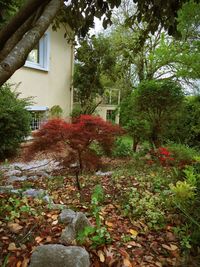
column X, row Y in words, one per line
column 68, row 235
column 76, row 221
column 42, row 174
column 6, row 189
column 99, row 173
column 80, row 222
column 14, row 172
column 67, row 216
column 59, row 256
column 48, row 199
column 12, row 179
column 34, row 192
column 32, row 177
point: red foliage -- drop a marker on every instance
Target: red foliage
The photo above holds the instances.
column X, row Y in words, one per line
column 75, row 138
column 163, row 155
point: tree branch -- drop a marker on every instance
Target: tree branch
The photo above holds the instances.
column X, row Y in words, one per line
column 24, row 13
column 18, row 55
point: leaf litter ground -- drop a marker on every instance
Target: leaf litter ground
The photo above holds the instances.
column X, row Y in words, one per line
column 133, row 243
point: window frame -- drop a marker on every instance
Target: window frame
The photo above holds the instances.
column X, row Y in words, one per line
column 44, row 53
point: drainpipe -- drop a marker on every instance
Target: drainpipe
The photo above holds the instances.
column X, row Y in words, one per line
column 72, row 74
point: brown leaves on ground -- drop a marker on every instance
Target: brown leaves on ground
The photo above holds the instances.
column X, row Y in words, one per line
column 133, row 244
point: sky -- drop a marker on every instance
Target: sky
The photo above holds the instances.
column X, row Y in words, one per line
column 98, row 26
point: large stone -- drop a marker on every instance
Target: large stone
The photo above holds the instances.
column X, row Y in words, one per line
column 76, row 222
column 80, row 222
column 59, row 256
column 68, row 236
column 67, row 216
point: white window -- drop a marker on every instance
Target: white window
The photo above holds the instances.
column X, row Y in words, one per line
column 39, row 116
column 38, row 58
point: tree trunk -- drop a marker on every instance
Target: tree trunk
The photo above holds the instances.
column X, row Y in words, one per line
column 17, row 57
column 24, row 13
column 135, row 143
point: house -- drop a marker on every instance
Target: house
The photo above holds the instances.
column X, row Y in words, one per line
column 47, row 77
column 109, row 107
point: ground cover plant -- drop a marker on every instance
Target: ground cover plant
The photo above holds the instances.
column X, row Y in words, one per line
column 141, row 214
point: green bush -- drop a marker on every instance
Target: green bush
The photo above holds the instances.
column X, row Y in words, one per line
column 14, row 121
column 122, row 148
column 182, row 154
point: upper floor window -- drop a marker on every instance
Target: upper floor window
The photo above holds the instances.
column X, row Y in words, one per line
column 38, row 58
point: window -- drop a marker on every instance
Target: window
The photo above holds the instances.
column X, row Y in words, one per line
column 110, row 115
column 39, row 116
column 38, row 58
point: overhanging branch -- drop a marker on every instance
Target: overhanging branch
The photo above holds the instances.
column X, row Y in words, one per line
column 17, row 57
column 24, row 13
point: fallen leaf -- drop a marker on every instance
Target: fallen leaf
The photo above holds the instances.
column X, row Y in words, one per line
column 133, row 232
column 55, row 222
column 171, row 247
column 48, row 238
column 101, row 255
column 25, row 262
column 109, row 224
column 54, row 216
column 14, row 227
column 38, row 239
column 127, row 262
column 159, row 264
column 12, row 247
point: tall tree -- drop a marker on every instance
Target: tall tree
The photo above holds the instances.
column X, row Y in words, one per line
column 94, row 60
column 149, row 56
column 20, row 32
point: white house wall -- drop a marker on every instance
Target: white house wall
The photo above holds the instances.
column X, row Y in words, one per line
column 51, row 87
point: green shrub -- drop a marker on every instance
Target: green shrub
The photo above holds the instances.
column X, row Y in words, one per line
column 122, row 148
column 182, row 154
column 14, row 121
column 76, row 112
column 55, row 112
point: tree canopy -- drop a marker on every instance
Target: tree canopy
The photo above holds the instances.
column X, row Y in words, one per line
column 23, row 22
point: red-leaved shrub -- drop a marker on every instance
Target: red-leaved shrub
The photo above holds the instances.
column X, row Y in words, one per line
column 161, row 155
column 72, row 141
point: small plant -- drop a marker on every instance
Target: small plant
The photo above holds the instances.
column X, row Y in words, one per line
column 184, row 235
column 13, row 208
column 183, row 192
column 55, row 112
column 145, row 205
column 98, row 235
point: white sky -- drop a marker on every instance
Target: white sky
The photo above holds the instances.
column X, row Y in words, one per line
column 98, row 26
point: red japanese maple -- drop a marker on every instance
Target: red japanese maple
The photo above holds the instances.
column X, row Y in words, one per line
column 75, row 139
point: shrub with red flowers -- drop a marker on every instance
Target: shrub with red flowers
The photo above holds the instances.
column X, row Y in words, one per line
column 73, row 140
column 163, row 156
